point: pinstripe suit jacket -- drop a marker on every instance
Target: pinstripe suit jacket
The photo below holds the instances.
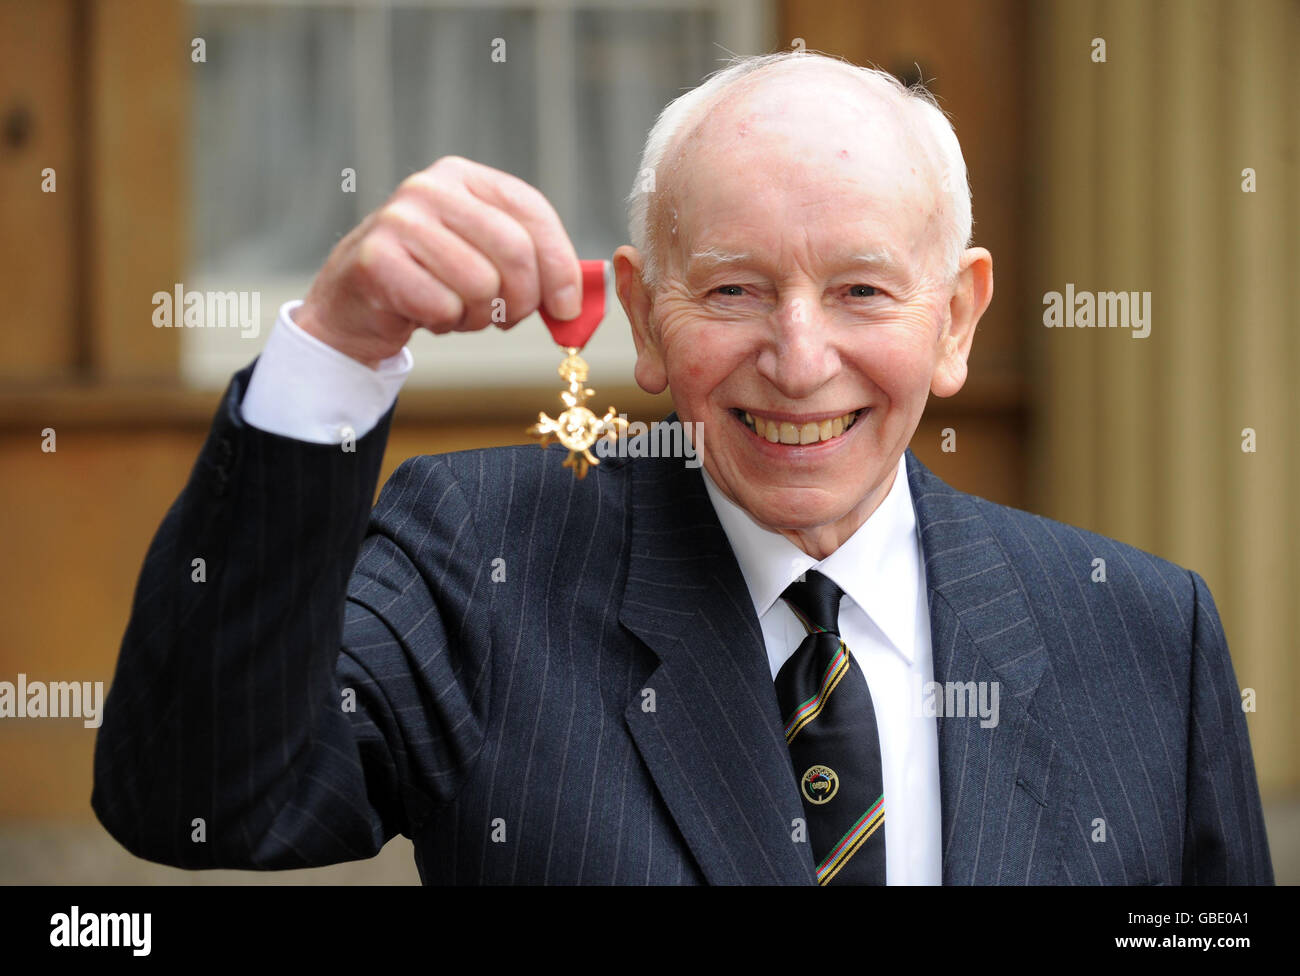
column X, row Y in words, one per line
column 471, row 665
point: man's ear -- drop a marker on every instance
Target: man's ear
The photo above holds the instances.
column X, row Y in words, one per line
column 972, row 292
column 651, row 374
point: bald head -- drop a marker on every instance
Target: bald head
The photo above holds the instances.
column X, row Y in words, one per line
column 828, row 119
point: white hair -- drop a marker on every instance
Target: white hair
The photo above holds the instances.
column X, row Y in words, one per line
column 685, row 111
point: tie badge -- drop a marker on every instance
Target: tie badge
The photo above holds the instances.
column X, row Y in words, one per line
column 819, row 784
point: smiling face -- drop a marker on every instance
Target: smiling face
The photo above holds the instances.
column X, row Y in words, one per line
column 802, row 315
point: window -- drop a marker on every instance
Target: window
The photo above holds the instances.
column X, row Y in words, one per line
column 294, row 93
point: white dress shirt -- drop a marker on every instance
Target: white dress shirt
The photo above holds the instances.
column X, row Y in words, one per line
column 305, row 389
column 885, row 622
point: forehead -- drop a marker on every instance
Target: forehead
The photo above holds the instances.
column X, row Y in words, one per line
column 813, row 154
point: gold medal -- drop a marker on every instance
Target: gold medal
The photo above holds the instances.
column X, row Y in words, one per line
column 577, row 428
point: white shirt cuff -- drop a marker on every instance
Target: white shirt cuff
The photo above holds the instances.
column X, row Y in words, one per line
column 306, row 389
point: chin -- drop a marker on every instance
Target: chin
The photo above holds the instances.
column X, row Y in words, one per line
column 793, row 509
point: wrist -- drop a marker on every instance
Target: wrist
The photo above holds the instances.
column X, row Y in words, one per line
column 305, row 318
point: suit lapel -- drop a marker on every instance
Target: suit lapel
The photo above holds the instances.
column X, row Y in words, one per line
column 1007, row 791
column 711, row 735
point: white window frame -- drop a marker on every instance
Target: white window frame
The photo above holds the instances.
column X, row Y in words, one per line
column 526, row 355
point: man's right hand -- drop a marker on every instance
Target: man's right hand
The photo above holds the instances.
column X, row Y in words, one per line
column 450, row 240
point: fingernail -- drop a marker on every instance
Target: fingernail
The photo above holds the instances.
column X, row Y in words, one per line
column 567, row 303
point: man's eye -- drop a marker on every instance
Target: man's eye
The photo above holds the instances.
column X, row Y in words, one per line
column 863, row 291
column 729, row 290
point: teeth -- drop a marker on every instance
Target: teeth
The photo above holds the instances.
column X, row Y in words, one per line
column 781, row 432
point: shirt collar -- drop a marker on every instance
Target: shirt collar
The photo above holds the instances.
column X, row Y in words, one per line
column 877, row 567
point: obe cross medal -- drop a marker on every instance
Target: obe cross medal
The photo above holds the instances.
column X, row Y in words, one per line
column 577, row 428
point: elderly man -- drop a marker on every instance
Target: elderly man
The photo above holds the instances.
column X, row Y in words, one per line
column 811, row 662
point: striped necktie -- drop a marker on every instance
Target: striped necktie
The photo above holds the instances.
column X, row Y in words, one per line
column 830, row 727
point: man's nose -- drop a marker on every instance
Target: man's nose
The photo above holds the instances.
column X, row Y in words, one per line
column 799, row 356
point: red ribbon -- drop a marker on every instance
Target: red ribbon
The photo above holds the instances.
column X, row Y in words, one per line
column 577, row 332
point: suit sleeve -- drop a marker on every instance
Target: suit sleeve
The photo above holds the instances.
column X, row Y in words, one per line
column 1224, row 840
column 250, row 723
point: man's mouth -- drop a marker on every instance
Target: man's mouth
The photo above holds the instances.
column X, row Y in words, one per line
column 787, row 432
